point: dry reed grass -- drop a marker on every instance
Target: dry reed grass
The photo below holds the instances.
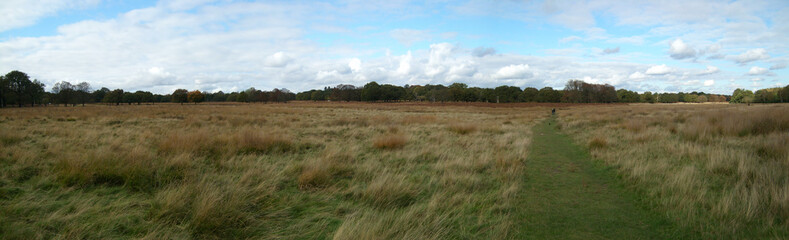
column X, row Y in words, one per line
column 390, row 141
column 462, row 128
column 297, row 170
column 720, row 169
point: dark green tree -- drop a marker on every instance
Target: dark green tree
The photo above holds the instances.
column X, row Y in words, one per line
column 179, row 96
column 371, row 92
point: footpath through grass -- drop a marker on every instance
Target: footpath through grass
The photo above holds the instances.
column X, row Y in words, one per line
column 568, row 196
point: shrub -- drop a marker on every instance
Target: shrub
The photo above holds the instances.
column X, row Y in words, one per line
column 390, row 141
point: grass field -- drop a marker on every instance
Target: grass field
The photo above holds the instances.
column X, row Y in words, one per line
column 299, row 170
column 720, row 169
column 394, row 171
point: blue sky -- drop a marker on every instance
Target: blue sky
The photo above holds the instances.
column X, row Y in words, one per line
column 658, row 46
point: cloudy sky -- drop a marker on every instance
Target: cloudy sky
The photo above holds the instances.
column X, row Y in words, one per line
column 659, row 46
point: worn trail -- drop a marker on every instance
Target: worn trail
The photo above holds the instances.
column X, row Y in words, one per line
column 566, row 195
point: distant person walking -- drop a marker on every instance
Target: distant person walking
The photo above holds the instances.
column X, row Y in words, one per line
column 553, row 111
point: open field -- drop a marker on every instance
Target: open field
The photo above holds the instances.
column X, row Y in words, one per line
column 721, row 169
column 299, row 170
column 393, row 170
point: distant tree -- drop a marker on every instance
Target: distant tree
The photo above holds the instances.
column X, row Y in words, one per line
column 547, row 94
column 65, row 93
column 20, row 85
column 390, row 93
column 219, row 97
column 36, row 92
column 115, row 96
column 647, row 97
column 741, row 96
column 130, row 97
column 769, row 95
column 530, row 94
column 98, row 95
column 242, row 97
column 179, row 96
column 578, row 91
column 82, row 92
column 508, row 94
column 371, row 92
column 231, row 97
column 346, row 92
column 701, row 98
column 196, row 96
column 627, row 96
column 691, row 98
column 317, row 95
column 3, row 91
column 783, row 95
column 144, row 96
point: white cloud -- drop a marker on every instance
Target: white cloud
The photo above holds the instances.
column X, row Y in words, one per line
column 569, row 39
column 22, row 13
column 751, row 55
column 637, row 75
column 679, row 50
column 658, row 70
column 710, row 70
column 405, row 64
column 757, row 70
column 278, row 59
column 267, row 44
column 519, row 71
column 708, row 83
column 355, row 64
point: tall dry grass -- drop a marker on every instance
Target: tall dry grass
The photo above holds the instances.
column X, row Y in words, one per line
column 297, row 170
column 722, row 170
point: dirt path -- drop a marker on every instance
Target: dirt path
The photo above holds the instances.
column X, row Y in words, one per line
column 568, row 196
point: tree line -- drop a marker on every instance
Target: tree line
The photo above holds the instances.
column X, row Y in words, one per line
column 16, row 89
column 575, row 91
column 767, row 95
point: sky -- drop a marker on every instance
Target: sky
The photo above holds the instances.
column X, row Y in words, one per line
column 222, row 45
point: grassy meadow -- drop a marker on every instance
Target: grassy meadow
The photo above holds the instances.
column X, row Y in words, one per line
column 297, row 170
column 394, row 171
column 720, row 169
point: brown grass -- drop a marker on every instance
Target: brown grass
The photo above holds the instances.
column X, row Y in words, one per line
column 721, row 168
column 597, row 143
column 462, row 128
column 390, row 141
column 259, row 142
column 418, row 119
column 389, row 190
column 272, row 171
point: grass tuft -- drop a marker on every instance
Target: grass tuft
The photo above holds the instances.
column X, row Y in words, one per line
column 388, row 191
column 462, row 128
column 257, row 142
column 390, row 141
column 597, row 143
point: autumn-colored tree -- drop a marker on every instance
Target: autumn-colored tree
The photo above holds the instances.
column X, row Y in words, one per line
column 195, row 96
